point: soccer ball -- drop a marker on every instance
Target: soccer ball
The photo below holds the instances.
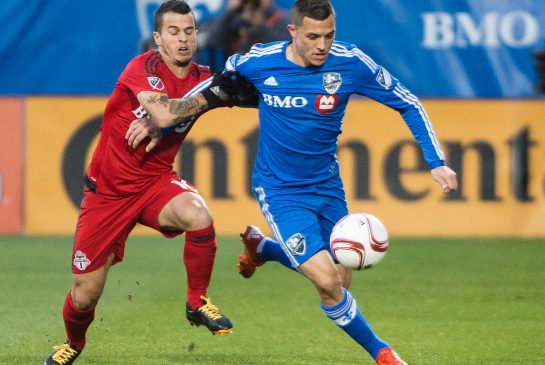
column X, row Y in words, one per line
column 359, row 241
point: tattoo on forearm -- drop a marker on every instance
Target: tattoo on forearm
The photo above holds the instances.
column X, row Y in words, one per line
column 163, row 100
column 152, row 99
column 185, row 107
column 159, row 99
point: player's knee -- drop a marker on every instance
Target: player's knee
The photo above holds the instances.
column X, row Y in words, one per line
column 195, row 216
column 202, row 219
column 330, row 288
column 85, row 296
column 83, row 301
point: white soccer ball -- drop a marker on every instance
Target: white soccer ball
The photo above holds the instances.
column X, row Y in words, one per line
column 359, row 241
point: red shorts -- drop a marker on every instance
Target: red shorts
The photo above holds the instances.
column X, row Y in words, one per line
column 104, row 223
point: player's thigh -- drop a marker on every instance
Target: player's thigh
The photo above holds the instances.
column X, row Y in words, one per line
column 332, row 211
column 294, row 221
column 322, row 271
column 185, row 211
column 173, row 206
column 87, row 288
column 102, row 229
column 335, row 209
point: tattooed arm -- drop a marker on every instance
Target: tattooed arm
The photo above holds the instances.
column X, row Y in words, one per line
column 167, row 112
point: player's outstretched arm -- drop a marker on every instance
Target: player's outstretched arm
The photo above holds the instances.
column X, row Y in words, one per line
column 166, row 112
column 446, row 178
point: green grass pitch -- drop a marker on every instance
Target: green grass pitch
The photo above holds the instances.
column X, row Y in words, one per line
column 437, row 301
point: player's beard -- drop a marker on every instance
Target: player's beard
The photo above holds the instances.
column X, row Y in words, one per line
column 182, row 63
column 171, row 55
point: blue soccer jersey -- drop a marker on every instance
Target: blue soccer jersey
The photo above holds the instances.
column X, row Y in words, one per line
column 301, row 110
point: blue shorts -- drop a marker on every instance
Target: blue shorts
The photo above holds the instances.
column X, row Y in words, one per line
column 301, row 220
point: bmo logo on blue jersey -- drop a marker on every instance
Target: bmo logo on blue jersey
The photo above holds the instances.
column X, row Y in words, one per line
column 287, row 101
column 325, row 104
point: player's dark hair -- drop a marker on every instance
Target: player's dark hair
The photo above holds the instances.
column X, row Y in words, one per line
column 313, row 9
column 175, row 6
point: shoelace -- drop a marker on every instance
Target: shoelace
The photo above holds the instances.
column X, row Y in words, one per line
column 64, row 353
column 209, row 309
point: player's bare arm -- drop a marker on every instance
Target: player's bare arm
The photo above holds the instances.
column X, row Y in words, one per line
column 446, row 178
column 165, row 112
column 222, row 87
column 187, row 107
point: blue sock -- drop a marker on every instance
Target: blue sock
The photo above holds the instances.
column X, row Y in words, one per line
column 269, row 250
column 349, row 318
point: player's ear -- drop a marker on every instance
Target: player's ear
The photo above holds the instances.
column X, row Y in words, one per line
column 292, row 29
column 157, row 38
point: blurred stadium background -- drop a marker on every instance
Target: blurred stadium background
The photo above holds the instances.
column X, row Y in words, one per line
column 477, row 65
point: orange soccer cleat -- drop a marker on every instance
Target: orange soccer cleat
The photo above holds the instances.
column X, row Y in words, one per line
column 251, row 238
column 387, row 356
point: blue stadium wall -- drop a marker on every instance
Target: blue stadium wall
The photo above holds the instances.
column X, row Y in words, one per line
column 453, row 49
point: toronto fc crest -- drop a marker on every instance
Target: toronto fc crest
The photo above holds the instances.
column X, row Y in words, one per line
column 81, row 261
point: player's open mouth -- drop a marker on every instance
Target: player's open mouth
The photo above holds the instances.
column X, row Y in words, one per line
column 183, row 50
column 320, row 56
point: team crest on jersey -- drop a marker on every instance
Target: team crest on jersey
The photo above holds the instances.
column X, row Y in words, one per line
column 332, row 81
column 384, row 78
column 156, row 83
column 297, row 244
column 81, row 261
column 325, row 104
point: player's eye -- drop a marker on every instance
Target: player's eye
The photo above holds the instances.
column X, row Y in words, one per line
column 189, row 31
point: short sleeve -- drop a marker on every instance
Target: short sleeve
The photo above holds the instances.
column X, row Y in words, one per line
column 141, row 75
column 231, row 63
column 237, row 62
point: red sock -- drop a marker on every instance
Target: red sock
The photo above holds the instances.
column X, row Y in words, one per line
column 76, row 322
column 199, row 255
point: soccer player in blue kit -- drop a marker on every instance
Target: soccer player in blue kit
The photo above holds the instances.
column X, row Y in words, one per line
column 304, row 86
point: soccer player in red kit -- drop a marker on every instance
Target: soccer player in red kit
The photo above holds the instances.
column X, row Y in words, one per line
column 126, row 185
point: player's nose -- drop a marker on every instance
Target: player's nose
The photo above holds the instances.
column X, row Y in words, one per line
column 321, row 44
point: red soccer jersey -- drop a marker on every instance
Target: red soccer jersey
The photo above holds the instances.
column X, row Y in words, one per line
column 117, row 168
